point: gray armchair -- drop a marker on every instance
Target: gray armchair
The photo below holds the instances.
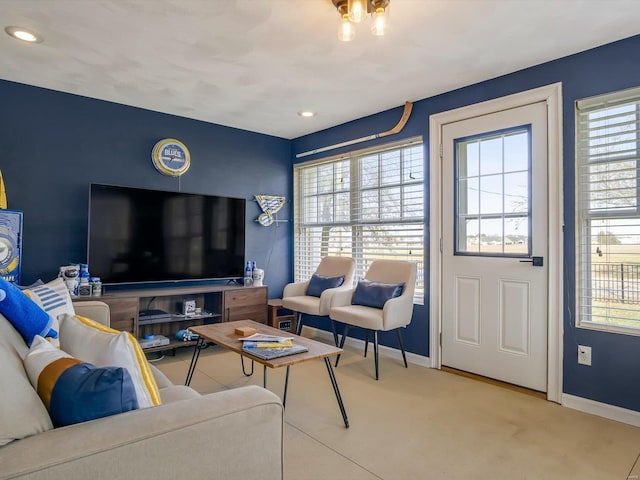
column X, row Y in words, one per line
column 295, row 295
column 387, row 314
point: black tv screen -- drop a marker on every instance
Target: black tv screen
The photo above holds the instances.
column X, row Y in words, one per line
column 138, row 235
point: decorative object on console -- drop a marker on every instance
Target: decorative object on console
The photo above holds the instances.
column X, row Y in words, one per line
column 74, row 391
column 10, row 243
column 103, row 346
column 70, row 274
column 270, row 205
column 24, row 314
column 189, row 307
column 258, row 277
column 186, row 335
column 171, row 157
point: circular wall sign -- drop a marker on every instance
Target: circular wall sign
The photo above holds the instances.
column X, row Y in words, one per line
column 171, row 157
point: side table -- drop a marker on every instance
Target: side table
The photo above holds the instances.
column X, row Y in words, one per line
column 286, row 322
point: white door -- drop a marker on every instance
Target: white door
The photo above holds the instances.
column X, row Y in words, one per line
column 495, row 246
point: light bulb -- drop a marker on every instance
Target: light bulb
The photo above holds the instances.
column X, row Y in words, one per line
column 357, row 10
column 346, row 30
column 379, row 22
column 23, row 34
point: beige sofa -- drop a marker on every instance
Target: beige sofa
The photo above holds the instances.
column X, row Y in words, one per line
column 234, row 434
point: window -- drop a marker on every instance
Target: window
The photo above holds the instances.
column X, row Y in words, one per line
column 608, row 211
column 367, row 205
column 493, row 212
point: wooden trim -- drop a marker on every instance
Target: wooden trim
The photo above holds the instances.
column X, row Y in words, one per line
column 497, row 383
column 552, row 95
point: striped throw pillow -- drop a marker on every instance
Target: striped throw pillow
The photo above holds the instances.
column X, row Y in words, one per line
column 53, row 298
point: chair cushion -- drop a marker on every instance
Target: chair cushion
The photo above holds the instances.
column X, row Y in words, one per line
column 74, row 391
column 102, row 346
column 375, row 294
column 319, row 284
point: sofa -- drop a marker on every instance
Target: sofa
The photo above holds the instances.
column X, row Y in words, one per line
column 233, row 434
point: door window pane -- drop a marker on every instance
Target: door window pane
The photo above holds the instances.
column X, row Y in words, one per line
column 493, row 193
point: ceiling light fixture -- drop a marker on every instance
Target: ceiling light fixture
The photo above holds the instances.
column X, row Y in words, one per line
column 306, row 113
column 24, row 34
column 356, row 11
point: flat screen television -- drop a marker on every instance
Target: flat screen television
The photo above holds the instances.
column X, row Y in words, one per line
column 138, row 235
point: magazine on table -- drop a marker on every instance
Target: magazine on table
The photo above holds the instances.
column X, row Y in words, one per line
column 273, row 352
column 262, row 337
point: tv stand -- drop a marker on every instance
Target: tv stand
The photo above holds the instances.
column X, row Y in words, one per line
column 159, row 311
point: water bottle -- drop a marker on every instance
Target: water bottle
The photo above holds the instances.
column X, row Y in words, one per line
column 248, row 275
column 253, row 268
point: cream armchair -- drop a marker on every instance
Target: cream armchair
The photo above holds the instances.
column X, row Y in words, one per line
column 295, row 296
column 377, row 308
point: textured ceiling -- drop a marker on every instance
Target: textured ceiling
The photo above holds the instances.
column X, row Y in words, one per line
column 253, row 64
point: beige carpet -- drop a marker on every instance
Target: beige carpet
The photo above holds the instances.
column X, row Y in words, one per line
column 420, row 423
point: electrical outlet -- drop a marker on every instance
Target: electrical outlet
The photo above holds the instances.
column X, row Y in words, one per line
column 584, row 355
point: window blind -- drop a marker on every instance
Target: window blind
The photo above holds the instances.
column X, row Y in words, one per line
column 367, row 205
column 608, row 211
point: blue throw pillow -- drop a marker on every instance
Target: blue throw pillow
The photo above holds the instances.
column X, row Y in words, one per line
column 375, row 294
column 319, row 284
column 74, row 391
column 24, row 314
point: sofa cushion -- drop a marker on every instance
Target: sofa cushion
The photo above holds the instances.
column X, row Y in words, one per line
column 24, row 314
column 102, row 346
column 21, row 412
column 319, row 283
column 375, row 294
column 74, row 391
column 53, row 297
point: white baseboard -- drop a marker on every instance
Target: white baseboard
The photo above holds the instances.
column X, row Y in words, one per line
column 619, row 414
column 382, row 349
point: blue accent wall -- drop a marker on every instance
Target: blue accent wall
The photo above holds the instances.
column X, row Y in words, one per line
column 614, row 375
column 55, row 144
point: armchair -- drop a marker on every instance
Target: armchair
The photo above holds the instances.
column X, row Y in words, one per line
column 295, row 295
column 374, row 304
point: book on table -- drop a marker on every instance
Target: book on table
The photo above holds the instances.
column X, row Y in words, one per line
column 273, row 352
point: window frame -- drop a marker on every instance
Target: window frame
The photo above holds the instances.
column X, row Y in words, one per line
column 355, row 221
column 585, row 215
column 502, row 216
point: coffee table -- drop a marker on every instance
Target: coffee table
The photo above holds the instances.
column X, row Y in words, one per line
column 223, row 334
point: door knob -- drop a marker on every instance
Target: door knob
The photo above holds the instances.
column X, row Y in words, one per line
column 535, row 261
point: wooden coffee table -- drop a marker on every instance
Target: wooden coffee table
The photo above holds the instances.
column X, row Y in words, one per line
column 223, row 334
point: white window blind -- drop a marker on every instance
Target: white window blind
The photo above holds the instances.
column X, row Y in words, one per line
column 367, row 205
column 608, row 211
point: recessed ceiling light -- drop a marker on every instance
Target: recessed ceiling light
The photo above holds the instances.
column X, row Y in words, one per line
column 23, row 34
column 306, row 113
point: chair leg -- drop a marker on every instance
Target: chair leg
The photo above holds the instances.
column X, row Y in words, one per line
column 333, row 329
column 366, row 342
column 404, row 356
column 375, row 350
column 344, row 337
column 299, row 324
